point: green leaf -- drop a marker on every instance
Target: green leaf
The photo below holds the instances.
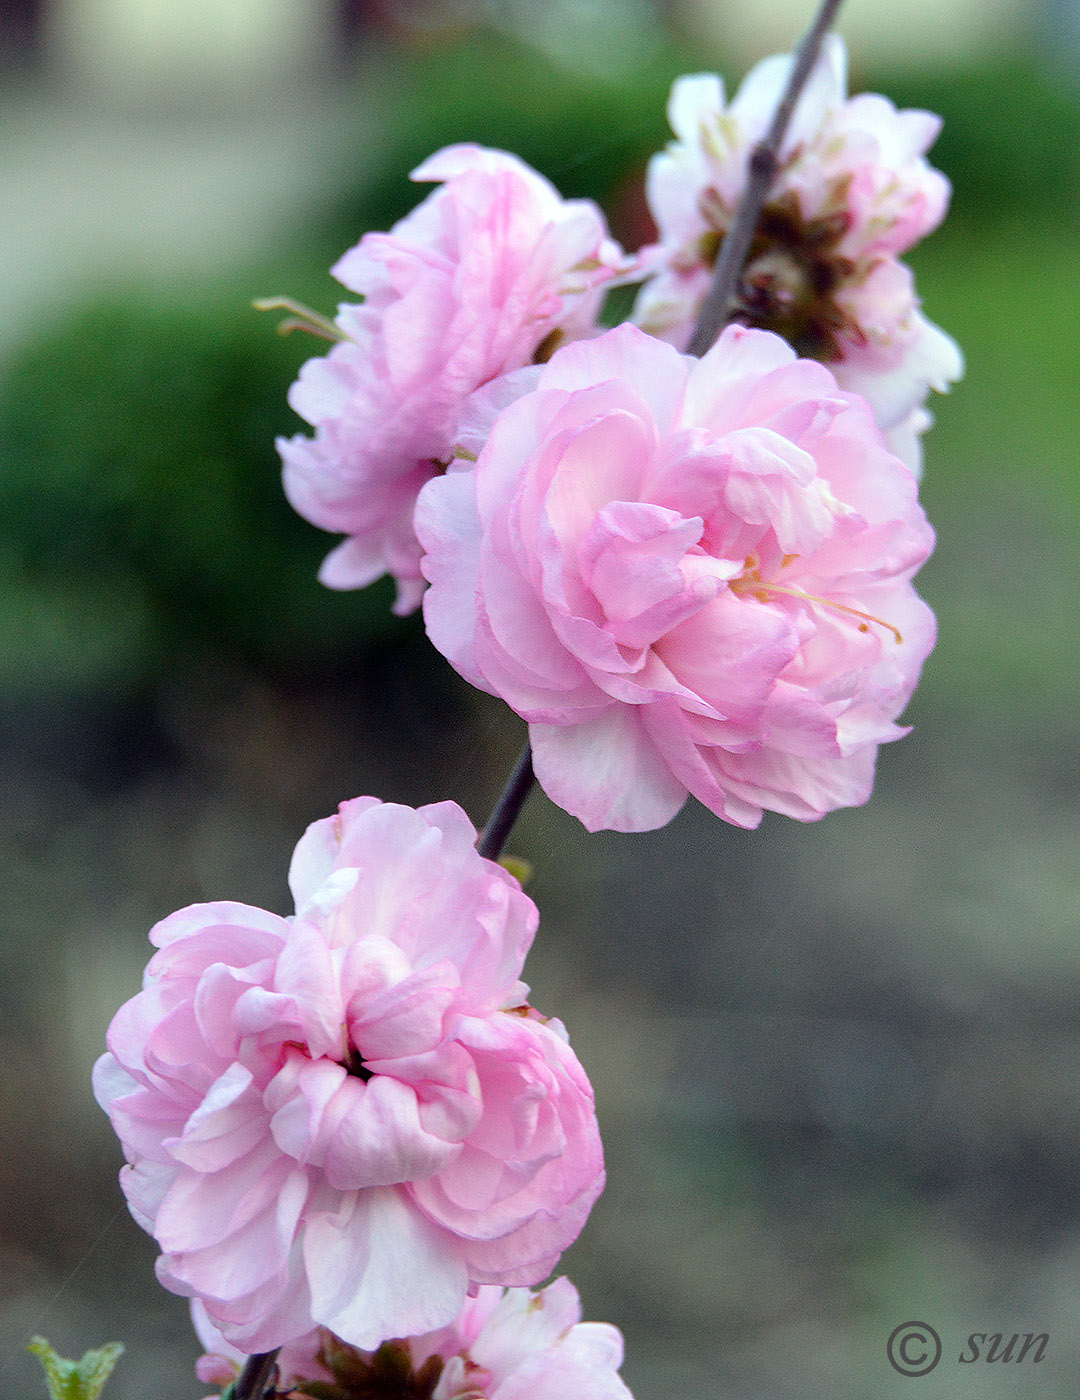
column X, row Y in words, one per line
column 76, row 1380
column 521, row 870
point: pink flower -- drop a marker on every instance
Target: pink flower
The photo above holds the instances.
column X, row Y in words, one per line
column 854, row 191
column 489, row 272
column 504, row 1345
column 687, row 575
column 348, row 1117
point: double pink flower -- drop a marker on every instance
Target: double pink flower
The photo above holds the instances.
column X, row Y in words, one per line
column 491, row 270
column 687, row 575
column 347, row 1118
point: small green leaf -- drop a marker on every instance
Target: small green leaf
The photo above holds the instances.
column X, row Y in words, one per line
column 76, row 1380
column 521, row 870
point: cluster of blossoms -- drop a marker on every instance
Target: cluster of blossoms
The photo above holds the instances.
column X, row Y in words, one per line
column 350, row 1134
column 687, row 577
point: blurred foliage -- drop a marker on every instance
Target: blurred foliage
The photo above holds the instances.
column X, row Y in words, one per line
column 1001, row 481
column 1011, row 138
column 140, row 494
column 590, row 136
column 142, row 499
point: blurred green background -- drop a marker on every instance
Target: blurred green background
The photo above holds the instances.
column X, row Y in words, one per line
column 837, row 1067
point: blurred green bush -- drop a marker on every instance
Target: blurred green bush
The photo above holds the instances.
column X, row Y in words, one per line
column 141, row 499
column 1011, row 139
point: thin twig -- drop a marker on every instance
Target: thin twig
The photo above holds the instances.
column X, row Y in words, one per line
column 255, row 1377
column 721, row 303
column 518, row 786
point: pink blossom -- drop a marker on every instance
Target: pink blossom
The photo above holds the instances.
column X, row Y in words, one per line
column 515, row 1344
column 348, row 1117
column 490, row 271
column 687, row 575
column 854, row 191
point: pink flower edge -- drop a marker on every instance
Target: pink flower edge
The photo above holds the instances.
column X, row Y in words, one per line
column 472, row 284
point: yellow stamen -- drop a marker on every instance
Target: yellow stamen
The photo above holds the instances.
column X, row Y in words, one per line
column 752, row 582
column 303, row 318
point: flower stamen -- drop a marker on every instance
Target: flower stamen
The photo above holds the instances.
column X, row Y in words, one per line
column 302, row 319
column 751, row 582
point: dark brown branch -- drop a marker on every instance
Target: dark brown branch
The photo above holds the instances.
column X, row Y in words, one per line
column 518, row 786
column 254, row 1379
column 721, row 304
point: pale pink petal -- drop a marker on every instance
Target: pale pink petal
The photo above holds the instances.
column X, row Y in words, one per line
column 587, row 363
column 380, row 1140
column 448, row 527
column 365, row 1260
column 606, row 772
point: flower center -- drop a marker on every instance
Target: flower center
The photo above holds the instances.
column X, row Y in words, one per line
column 792, row 273
column 355, row 1065
column 750, row 582
column 386, row 1374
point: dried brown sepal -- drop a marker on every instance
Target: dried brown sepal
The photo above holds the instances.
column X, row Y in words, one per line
column 385, row 1374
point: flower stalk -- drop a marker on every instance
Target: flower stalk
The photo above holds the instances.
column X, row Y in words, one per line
column 505, row 814
column 720, row 304
column 254, row 1379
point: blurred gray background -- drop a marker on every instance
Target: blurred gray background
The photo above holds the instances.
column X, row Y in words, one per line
column 837, row 1066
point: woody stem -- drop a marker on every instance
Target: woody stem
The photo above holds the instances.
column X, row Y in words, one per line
column 721, row 303
column 254, row 1378
column 506, row 810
